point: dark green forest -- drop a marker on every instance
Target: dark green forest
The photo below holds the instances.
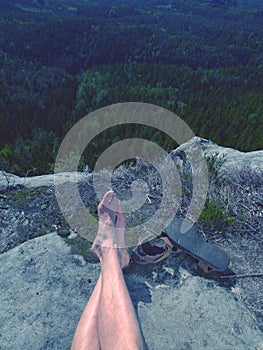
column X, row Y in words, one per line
column 62, row 59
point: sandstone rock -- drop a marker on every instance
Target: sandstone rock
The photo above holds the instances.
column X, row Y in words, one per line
column 44, row 288
column 42, row 281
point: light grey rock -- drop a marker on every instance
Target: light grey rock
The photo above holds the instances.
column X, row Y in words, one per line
column 8, row 181
column 234, row 160
column 44, row 289
column 26, row 214
column 12, row 181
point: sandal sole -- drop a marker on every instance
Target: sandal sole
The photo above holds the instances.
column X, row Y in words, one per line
column 209, row 255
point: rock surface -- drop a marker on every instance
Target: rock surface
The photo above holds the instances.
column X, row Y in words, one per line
column 44, row 288
column 8, row 180
column 234, row 158
column 46, row 280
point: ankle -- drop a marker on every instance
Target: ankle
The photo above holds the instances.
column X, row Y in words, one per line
column 110, row 257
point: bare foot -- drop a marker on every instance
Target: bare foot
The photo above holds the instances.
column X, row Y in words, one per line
column 111, row 231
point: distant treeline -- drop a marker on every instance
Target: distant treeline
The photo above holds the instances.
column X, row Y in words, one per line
column 61, row 60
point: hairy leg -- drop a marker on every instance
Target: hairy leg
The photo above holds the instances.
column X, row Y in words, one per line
column 109, row 320
column 117, row 322
column 86, row 336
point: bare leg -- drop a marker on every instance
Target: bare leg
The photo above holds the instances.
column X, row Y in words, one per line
column 117, row 323
column 109, row 320
column 86, row 336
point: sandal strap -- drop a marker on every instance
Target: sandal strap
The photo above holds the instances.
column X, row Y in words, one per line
column 167, row 241
column 154, row 258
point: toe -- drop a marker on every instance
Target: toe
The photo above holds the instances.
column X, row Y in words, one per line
column 108, row 198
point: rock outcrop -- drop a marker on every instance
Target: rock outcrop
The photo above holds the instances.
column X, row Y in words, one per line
column 44, row 289
column 47, row 272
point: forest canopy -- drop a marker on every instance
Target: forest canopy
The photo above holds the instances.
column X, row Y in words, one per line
column 62, row 59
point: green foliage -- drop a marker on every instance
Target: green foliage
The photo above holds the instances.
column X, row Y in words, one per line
column 214, row 164
column 62, row 59
column 215, row 214
column 81, row 246
column 5, row 152
column 72, row 162
column 35, row 155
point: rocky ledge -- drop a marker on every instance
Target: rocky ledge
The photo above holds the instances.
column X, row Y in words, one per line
column 48, row 273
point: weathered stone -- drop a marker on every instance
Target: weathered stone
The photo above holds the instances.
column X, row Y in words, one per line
column 42, row 281
column 44, row 289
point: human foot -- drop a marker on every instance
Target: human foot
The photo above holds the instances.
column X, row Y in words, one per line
column 111, row 232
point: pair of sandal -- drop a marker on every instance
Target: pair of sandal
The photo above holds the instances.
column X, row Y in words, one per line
column 208, row 256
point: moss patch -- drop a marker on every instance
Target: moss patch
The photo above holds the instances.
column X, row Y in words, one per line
column 82, row 247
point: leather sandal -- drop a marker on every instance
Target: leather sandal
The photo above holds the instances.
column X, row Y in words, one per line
column 151, row 250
